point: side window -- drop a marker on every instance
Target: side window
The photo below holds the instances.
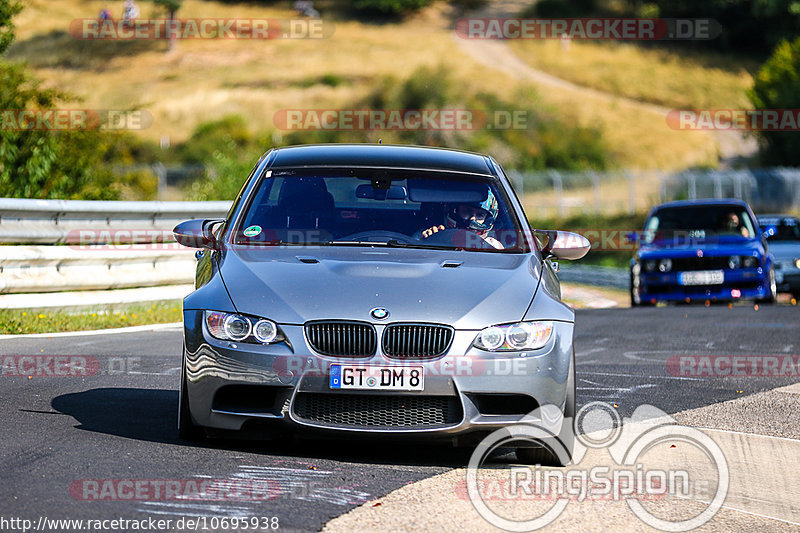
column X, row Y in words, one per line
column 747, row 222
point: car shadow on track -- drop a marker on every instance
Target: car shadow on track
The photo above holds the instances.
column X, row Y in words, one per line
column 151, row 415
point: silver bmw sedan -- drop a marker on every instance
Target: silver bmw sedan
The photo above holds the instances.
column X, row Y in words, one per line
column 376, row 290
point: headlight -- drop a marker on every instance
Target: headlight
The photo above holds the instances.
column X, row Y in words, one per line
column 649, row 266
column 514, row 337
column 665, row 265
column 265, row 331
column 750, row 261
column 734, row 261
column 232, row 327
column 236, row 327
column 797, row 262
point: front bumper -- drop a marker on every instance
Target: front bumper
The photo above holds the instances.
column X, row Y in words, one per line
column 787, row 277
column 741, row 283
column 230, row 385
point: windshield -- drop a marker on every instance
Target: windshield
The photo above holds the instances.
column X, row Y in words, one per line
column 699, row 222
column 780, row 229
column 380, row 208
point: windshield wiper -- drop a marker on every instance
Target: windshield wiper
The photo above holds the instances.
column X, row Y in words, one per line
column 353, row 243
column 394, row 243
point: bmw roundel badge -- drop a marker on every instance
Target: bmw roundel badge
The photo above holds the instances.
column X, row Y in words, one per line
column 379, row 313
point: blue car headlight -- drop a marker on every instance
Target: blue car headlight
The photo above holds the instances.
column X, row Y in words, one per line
column 750, row 261
column 239, row 328
column 514, row 337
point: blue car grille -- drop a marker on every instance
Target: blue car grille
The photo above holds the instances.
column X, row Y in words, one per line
column 342, row 339
column 416, row 341
column 378, row 411
column 700, row 263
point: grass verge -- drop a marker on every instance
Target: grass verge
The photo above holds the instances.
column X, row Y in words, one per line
column 648, row 74
column 21, row 321
column 580, row 296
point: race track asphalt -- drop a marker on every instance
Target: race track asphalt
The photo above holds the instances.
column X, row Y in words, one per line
column 119, row 424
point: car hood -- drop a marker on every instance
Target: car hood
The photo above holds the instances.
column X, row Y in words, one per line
column 709, row 248
column 293, row 285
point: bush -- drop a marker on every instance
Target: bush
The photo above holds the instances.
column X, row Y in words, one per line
column 776, row 87
column 231, row 151
column 389, row 7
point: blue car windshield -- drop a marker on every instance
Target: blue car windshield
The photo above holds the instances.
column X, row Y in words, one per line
column 412, row 209
column 780, row 229
column 699, row 222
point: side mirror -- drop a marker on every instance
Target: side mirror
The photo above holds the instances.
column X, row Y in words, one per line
column 197, row 233
column 564, row 244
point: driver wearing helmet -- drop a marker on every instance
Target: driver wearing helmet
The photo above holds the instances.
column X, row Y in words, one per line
column 477, row 217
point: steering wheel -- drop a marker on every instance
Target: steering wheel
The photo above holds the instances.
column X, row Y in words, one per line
column 377, row 236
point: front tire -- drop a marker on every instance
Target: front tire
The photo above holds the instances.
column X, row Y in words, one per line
column 187, row 429
column 566, row 437
column 772, row 297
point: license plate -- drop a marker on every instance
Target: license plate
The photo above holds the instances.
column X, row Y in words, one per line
column 370, row 377
column 702, row 277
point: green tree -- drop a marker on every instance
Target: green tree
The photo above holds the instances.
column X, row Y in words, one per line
column 47, row 163
column 777, row 86
column 8, row 8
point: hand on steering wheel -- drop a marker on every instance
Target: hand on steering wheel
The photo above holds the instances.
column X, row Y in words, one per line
column 430, row 231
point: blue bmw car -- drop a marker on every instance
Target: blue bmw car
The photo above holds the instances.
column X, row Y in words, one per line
column 701, row 250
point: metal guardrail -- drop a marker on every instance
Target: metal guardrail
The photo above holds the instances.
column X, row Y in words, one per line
column 24, row 221
column 85, row 245
column 99, row 239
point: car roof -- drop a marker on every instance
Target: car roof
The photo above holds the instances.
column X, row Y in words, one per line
column 708, row 202
column 380, row 156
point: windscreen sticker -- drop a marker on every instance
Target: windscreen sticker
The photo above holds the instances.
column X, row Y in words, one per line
column 252, row 231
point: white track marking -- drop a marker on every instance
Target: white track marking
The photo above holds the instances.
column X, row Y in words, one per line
column 640, row 377
column 130, row 329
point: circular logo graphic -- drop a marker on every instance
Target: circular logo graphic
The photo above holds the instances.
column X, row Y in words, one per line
column 371, row 381
column 252, row 231
column 379, row 313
